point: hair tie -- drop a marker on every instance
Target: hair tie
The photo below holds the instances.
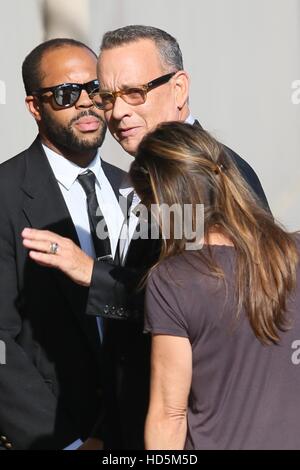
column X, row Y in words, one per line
column 219, row 168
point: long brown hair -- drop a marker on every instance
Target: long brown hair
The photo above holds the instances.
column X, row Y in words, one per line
column 179, row 163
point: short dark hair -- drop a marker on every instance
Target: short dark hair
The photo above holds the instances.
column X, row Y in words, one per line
column 166, row 44
column 31, row 66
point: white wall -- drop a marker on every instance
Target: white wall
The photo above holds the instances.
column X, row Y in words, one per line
column 243, row 56
column 21, row 29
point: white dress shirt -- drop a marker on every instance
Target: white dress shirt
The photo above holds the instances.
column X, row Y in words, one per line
column 66, row 174
column 190, row 119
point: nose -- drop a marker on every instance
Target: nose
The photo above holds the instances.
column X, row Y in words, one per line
column 84, row 100
column 120, row 109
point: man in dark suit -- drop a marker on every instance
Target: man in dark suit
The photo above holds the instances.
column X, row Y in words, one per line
column 143, row 83
column 50, row 386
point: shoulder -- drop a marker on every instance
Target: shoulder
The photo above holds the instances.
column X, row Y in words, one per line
column 11, row 177
column 13, row 163
column 12, row 170
column 247, row 173
column 173, row 274
column 114, row 174
column 113, row 170
column 242, row 165
column 17, row 163
column 177, row 293
column 166, row 308
column 190, row 272
column 249, row 176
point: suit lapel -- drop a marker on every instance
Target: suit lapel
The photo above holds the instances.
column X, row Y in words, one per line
column 114, row 176
column 45, row 209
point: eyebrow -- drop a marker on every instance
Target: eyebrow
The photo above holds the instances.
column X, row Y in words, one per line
column 126, row 86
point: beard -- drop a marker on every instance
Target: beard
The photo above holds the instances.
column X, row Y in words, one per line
column 65, row 138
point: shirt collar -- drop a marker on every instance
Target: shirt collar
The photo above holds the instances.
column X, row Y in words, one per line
column 66, row 172
column 126, row 189
column 126, row 186
column 190, row 119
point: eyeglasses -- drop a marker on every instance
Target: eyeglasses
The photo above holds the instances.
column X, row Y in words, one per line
column 104, row 99
column 67, row 94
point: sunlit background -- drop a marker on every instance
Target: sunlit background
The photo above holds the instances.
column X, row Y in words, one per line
column 242, row 55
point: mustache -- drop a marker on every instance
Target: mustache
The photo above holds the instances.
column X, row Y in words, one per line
column 87, row 113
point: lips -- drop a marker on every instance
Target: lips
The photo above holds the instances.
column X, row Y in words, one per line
column 88, row 124
column 127, row 132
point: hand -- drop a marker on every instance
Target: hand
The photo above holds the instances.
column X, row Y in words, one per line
column 69, row 258
column 92, row 443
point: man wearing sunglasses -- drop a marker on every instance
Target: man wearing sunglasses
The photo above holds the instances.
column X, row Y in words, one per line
column 51, row 391
column 142, row 83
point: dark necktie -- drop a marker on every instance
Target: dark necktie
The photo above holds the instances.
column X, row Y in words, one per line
column 98, row 225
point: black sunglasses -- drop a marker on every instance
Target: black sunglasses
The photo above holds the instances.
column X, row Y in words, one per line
column 67, row 94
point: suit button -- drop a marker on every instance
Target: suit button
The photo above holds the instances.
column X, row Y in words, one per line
column 106, row 309
column 8, row 445
column 120, row 312
column 113, row 310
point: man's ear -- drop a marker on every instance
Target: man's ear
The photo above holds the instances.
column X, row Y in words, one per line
column 33, row 107
column 182, row 86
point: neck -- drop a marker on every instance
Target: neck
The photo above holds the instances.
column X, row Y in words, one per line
column 82, row 158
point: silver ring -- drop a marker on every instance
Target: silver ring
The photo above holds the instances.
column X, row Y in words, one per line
column 53, row 248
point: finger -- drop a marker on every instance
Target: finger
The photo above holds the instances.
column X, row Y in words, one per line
column 43, row 246
column 45, row 259
column 44, row 264
column 46, row 235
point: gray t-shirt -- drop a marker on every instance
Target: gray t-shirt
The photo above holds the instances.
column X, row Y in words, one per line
column 244, row 395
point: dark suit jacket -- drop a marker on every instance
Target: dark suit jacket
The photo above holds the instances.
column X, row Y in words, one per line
column 126, row 348
column 50, row 387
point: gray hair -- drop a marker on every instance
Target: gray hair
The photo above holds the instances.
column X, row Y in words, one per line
column 167, row 46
